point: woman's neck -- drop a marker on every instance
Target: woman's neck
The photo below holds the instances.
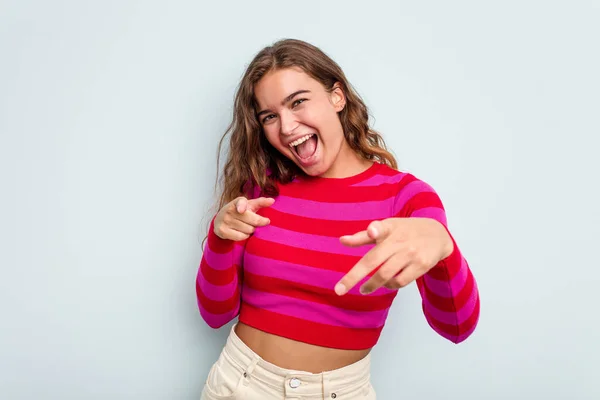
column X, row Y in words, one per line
column 347, row 163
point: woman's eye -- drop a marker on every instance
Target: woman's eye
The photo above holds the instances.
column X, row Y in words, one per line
column 266, row 119
column 297, row 102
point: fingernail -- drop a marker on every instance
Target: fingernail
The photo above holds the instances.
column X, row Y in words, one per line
column 364, row 290
column 340, row 289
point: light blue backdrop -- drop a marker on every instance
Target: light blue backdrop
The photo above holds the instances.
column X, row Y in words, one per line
column 110, row 113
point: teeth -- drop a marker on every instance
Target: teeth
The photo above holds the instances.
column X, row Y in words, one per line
column 301, row 140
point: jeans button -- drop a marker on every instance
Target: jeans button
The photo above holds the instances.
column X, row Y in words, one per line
column 294, row 383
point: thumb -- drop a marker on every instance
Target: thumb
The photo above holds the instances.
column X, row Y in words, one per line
column 377, row 230
column 256, row 204
column 241, row 205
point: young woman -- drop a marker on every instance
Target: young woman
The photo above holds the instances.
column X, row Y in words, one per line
column 317, row 230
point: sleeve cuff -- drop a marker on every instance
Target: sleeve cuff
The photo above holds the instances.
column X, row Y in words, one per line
column 451, row 263
column 215, row 243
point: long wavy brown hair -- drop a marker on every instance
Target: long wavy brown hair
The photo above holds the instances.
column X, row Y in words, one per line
column 251, row 156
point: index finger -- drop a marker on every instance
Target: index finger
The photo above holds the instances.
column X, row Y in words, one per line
column 372, row 260
column 261, row 202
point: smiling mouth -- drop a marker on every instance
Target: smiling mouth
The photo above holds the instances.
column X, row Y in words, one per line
column 305, row 147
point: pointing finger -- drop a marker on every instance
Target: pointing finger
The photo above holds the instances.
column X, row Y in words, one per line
column 408, row 275
column 385, row 274
column 372, row 260
column 261, row 202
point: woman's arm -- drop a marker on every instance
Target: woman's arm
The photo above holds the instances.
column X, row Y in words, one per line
column 448, row 290
column 218, row 281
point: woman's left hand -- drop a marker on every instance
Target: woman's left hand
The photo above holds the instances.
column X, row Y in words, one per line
column 405, row 248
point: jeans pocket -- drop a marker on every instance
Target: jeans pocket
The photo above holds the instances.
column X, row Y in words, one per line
column 224, row 381
column 369, row 391
column 357, row 390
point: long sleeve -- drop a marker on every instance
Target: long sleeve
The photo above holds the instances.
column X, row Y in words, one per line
column 218, row 281
column 450, row 297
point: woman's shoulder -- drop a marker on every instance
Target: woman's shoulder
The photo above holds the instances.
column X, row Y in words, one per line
column 405, row 182
column 396, row 176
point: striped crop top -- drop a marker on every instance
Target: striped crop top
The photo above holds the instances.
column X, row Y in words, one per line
column 281, row 280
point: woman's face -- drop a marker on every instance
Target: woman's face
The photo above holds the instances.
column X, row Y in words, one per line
column 300, row 119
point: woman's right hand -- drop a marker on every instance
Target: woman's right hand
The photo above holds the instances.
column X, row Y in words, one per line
column 238, row 219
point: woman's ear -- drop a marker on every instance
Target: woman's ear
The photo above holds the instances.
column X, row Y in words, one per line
column 338, row 97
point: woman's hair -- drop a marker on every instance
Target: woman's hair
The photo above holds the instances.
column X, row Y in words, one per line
column 251, row 158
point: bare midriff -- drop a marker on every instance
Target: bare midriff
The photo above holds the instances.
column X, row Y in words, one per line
column 291, row 354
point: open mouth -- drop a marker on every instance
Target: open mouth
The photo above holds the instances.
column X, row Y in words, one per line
column 305, row 147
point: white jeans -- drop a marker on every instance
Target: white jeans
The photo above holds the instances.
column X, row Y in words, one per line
column 240, row 374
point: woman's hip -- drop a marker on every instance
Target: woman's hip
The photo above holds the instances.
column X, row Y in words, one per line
column 239, row 373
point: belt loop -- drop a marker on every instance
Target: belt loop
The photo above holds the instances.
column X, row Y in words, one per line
column 249, row 369
column 326, row 388
column 252, row 365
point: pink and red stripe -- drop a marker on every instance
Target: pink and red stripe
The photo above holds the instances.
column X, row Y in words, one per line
column 291, row 266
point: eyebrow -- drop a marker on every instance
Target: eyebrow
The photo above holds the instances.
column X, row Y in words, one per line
column 287, row 99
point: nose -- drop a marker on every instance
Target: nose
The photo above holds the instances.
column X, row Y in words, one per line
column 288, row 123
